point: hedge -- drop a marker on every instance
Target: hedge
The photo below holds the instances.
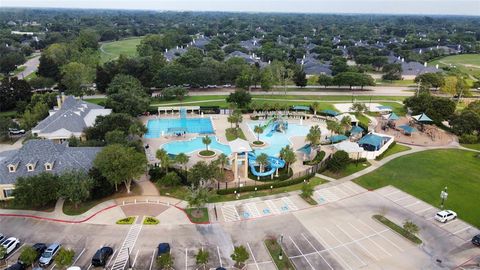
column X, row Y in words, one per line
column 266, row 186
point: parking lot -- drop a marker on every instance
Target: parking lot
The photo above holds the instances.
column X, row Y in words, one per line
column 337, row 192
column 456, row 227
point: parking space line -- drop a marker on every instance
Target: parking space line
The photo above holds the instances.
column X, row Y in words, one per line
column 358, row 242
column 151, row 261
column 385, row 238
column 339, row 190
column 340, row 242
column 90, row 266
column 402, row 198
column 253, row 256
column 349, row 188
column 391, row 193
column 271, row 205
column 186, row 258
column 78, row 257
column 430, row 218
column 53, row 266
column 111, row 258
column 316, row 250
column 408, row 205
column 375, row 243
column 461, row 230
column 332, row 250
column 252, row 208
column 448, row 222
column 423, row 210
column 219, row 257
column 295, row 244
column 15, row 251
column 289, row 203
column 135, row 259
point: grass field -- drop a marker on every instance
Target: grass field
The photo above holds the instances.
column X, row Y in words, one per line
column 112, row 50
column 350, row 169
column 425, row 174
column 467, row 63
column 475, row 146
column 397, row 148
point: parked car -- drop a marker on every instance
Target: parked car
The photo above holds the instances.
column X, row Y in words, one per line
column 49, row 254
column 17, row 266
column 163, row 248
column 74, row 268
column 10, row 245
column 39, row 248
column 14, row 131
column 101, row 256
column 445, row 215
column 2, row 237
column 476, row 240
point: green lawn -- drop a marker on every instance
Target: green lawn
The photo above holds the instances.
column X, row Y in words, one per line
column 202, row 219
column 98, row 101
column 234, row 133
column 425, row 174
column 350, row 169
column 397, row 148
column 9, row 114
column 112, row 50
column 467, row 63
column 472, row 146
column 395, row 83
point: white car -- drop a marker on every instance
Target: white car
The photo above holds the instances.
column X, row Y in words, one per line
column 10, row 244
column 2, row 237
column 445, row 215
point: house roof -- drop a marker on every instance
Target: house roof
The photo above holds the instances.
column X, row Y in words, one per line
column 171, row 54
column 337, row 138
column 39, row 152
column 313, row 66
column 239, row 146
column 251, row 44
column 72, row 117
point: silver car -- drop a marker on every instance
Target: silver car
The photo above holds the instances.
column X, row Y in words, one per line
column 49, row 254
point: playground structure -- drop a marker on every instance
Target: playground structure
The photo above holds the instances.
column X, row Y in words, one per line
column 277, row 125
column 274, row 164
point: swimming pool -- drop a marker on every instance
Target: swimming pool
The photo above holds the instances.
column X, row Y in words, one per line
column 195, row 144
column 155, row 127
column 277, row 140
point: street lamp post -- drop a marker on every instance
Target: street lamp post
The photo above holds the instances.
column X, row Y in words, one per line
column 443, row 196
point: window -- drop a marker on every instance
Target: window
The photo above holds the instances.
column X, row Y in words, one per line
column 11, row 168
column 30, row 167
column 8, row 193
column 48, row 166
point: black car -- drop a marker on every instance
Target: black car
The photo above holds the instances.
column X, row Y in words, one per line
column 101, row 256
column 39, row 248
column 163, row 248
column 476, row 240
column 17, row 266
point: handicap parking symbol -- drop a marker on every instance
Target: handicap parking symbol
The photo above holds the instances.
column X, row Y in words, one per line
column 284, row 208
column 321, row 199
column 246, row 215
column 266, row 211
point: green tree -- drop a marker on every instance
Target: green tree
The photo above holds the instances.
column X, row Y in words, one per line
column 258, row 130
column 299, row 77
column 3, row 252
column 338, row 162
column 287, row 154
column 120, row 164
column 201, row 172
column 87, row 39
column 5, row 125
column 358, row 107
column 314, row 135
column 411, row 227
column 316, row 107
column 430, row 80
column 75, row 186
column 75, row 77
column 170, row 179
column 28, row 255
column 116, row 137
column 262, row 160
column 240, row 97
column 9, row 62
column 36, row 191
column 334, row 127
column 206, row 141
column 325, row 80
column 164, row 158
column 202, row 258
column 165, row 261
column 182, row 159
column 13, row 91
column 307, row 190
column 125, row 94
column 64, row 257
column 222, row 160
column 266, row 79
column 32, row 116
column 467, row 122
column 196, row 199
column 240, row 256
column 346, row 122
column 392, row 72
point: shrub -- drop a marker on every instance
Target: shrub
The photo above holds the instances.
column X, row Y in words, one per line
column 338, row 162
column 171, row 179
column 28, row 255
column 317, row 159
column 468, row 139
column 266, row 186
column 150, row 221
column 126, row 221
column 64, row 257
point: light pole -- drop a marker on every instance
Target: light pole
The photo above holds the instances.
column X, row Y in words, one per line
column 444, row 196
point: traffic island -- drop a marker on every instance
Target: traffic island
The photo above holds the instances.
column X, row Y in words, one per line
column 126, row 221
column 150, row 221
column 197, row 215
column 207, row 154
column 396, row 228
column 279, row 257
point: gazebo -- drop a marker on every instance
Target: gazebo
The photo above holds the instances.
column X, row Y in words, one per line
column 407, row 129
column 337, row 138
column 242, row 147
column 422, row 118
column 371, row 142
column 330, row 112
column 356, row 130
column 391, row 117
column 301, row 108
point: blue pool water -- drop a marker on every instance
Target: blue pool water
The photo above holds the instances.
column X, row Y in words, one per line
column 196, row 144
column 192, row 125
column 277, row 140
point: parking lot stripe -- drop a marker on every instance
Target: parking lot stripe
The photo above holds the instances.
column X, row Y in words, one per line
column 252, row 208
column 219, row 257
column 272, row 206
column 358, row 242
column 430, row 218
column 295, row 244
column 351, row 252
column 448, row 222
column 253, row 256
column 135, row 259
column 53, row 266
column 289, row 203
column 391, row 193
column 461, row 230
column 15, row 251
column 388, row 240
column 78, row 257
column 331, row 250
column 316, row 250
column 375, row 243
column 111, row 258
column 423, row 210
column 151, row 261
column 349, row 188
column 341, row 191
column 402, row 198
column 412, row 204
column 186, row 258
column 90, row 266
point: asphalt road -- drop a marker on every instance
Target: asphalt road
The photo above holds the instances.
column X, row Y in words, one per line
column 31, row 67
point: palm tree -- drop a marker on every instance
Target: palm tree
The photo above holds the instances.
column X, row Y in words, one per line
column 231, row 119
column 259, row 130
column 165, row 161
column 334, row 127
column 222, row 160
column 206, row 140
column 238, row 118
column 316, row 107
column 254, row 106
column 314, row 136
column 262, row 160
column 182, row 159
column 202, row 258
column 288, row 155
column 346, row 122
column 197, row 198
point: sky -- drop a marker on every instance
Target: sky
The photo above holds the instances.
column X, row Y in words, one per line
column 421, row 7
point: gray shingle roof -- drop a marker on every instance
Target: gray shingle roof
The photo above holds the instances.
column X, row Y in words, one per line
column 39, row 152
column 171, row 54
column 313, row 66
column 72, row 116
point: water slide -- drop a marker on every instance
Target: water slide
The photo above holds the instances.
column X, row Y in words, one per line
column 274, row 128
column 274, row 164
